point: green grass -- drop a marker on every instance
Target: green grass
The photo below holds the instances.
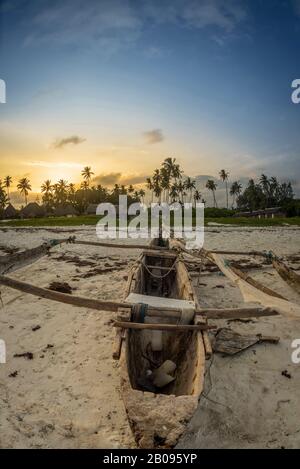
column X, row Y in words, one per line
column 55, row 221
column 92, row 220
column 245, row 221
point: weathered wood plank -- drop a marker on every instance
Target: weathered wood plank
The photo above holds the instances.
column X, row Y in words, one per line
column 163, row 327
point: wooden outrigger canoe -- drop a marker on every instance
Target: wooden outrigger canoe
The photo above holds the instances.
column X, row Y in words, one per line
column 162, row 372
column 164, row 330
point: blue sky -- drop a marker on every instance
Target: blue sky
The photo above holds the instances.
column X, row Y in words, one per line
column 207, row 82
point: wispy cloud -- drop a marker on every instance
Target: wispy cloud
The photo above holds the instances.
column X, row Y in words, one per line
column 105, row 25
column 225, row 14
column 73, row 140
column 154, row 136
column 109, row 179
column 110, row 25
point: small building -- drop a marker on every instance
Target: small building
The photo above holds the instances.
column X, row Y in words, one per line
column 10, row 212
column 263, row 213
column 66, row 210
column 32, row 210
column 91, row 209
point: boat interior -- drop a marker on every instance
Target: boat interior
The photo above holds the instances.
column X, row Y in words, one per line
column 161, row 361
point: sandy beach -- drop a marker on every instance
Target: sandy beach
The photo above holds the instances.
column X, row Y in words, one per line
column 67, row 395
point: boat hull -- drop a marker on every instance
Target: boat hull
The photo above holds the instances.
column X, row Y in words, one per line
column 158, row 418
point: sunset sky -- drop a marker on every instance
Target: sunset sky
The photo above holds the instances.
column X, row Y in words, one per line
column 120, row 85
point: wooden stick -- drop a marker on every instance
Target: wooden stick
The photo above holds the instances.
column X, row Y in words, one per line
column 240, row 253
column 104, row 305
column 117, row 347
column 163, row 327
column 100, row 305
column 236, row 313
column 167, row 254
column 61, row 297
column 160, row 267
column 121, row 246
column 18, row 260
column 287, row 274
column 207, row 345
column 268, row 338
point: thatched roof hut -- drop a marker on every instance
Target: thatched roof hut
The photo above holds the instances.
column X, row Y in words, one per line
column 10, row 212
column 263, row 213
column 32, row 210
column 64, row 210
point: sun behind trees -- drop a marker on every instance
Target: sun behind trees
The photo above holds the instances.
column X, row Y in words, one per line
column 167, row 184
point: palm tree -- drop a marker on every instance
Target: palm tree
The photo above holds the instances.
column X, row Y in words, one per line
column 212, row 186
column 7, row 182
column 61, row 192
column 130, row 189
column 235, row 191
column 72, row 188
column 174, row 193
column 165, row 182
column 190, row 185
column 150, row 186
column 224, row 177
column 265, row 185
column 196, row 196
column 157, row 184
column 84, row 185
column 180, row 188
column 157, row 191
column 47, row 189
column 116, row 189
column 172, row 168
column 87, row 174
column 3, row 198
column 24, row 187
column 142, row 195
column 176, row 172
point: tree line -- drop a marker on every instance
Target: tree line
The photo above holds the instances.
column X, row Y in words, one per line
column 167, row 184
column 63, row 193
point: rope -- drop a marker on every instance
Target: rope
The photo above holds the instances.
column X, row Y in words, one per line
column 139, row 312
column 159, row 276
column 269, row 256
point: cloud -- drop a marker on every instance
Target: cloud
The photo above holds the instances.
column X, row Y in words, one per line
column 74, row 140
column 154, row 136
column 223, row 14
column 54, row 164
column 109, row 179
column 108, row 26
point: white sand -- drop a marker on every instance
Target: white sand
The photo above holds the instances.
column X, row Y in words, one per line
column 68, row 395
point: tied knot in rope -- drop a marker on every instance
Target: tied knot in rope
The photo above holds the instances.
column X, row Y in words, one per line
column 139, row 311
